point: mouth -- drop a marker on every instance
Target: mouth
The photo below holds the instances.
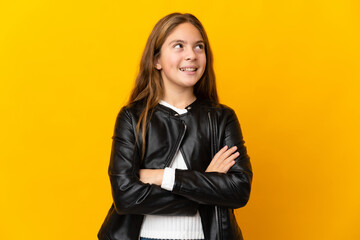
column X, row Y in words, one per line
column 188, row 69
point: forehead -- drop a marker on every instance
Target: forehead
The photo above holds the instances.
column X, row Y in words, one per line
column 186, row 32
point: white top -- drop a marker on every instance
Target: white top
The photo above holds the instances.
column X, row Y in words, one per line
column 172, row 227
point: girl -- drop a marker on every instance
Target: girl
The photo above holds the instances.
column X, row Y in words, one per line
column 169, row 179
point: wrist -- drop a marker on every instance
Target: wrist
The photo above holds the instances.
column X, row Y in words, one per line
column 159, row 176
column 151, row 176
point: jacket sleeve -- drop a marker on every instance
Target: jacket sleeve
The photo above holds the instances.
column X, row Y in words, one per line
column 130, row 195
column 231, row 189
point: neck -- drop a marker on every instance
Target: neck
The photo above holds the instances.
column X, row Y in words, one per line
column 179, row 99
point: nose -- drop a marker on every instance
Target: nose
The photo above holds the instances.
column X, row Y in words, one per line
column 190, row 54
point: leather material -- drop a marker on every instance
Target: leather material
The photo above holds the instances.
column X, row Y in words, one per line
column 215, row 195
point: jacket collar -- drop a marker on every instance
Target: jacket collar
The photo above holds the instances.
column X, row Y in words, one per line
column 195, row 104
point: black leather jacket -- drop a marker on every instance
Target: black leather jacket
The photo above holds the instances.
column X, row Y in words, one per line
column 197, row 134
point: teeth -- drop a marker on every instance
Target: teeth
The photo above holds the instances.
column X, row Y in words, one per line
column 188, row 69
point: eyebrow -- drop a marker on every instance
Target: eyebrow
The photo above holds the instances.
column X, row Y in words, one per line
column 182, row 41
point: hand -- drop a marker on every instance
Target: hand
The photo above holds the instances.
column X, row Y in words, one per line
column 223, row 160
column 151, row 176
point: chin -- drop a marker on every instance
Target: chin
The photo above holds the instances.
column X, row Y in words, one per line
column 190, row 83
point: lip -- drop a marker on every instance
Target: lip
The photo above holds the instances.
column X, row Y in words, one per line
column 189, row 72
column 189, row 66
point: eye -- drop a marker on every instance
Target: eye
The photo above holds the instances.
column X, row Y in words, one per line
column 178, row 45
column 199, row 46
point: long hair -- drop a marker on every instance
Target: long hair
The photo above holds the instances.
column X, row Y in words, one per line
column 148, row 85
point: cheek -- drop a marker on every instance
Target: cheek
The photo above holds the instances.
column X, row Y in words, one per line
column 173, row 63
column 203, row 61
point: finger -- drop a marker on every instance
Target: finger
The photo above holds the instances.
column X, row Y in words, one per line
column 232, row 157
column 225, row 167
column 228, row 166
column 217, row 162
column 221, row 151
column 229, row 162
column 218, row 154
column 226, row 154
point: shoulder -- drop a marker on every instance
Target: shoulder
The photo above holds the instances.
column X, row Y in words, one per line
column 131, row 111
column 221, row 110
column 224, row 115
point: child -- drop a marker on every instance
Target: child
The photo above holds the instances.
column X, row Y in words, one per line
column 169, row 179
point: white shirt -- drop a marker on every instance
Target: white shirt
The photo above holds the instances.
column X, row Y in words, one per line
column 172, row 227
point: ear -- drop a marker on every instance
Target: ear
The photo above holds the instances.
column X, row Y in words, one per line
column 157, row 64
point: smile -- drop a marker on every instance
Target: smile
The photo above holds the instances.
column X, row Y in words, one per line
column 188, row 69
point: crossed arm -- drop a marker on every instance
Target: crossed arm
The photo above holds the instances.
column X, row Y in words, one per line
column 226, row 182
column 221, row 163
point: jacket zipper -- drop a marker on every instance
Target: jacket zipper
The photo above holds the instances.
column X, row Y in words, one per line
column 213, row 153
column 178, row 145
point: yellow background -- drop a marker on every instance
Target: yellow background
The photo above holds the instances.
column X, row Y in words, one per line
column 290, row 69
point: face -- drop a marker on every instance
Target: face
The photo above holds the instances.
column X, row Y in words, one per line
column 182, row 58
